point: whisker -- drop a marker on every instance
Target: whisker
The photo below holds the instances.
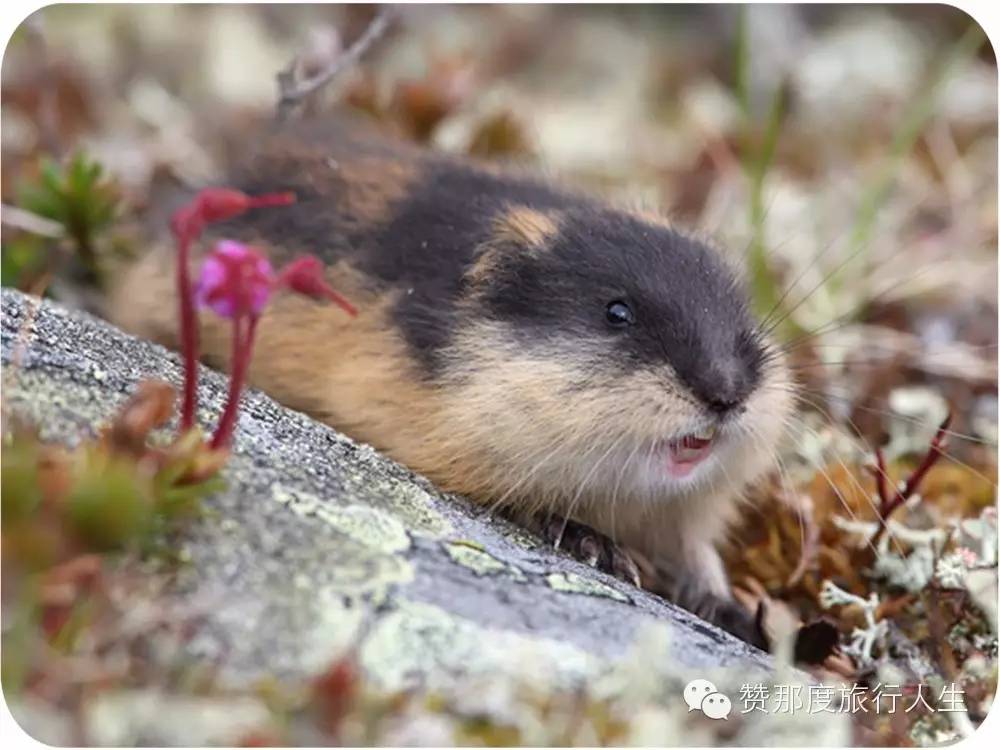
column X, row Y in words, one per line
column 797, row 393
column 843, row 320
column 614, row 493
column 866, row 494
column 836, row 490
column 876, row 468
column 911, row 420
column 523, row 480
column 822, row 282
column 786, row 483
column 816, row 258
column 801, row 396
column 586, row 480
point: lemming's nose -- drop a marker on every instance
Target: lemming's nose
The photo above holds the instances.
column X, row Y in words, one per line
column 723, row 404
column 725, row 388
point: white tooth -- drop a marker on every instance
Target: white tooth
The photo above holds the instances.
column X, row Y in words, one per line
column 706, row 434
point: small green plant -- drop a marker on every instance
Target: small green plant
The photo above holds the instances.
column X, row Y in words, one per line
column 78, row 196
column 112, row 494
column 24, row 262
column 66, row 211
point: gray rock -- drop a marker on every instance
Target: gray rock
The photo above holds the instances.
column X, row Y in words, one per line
column 319, row 544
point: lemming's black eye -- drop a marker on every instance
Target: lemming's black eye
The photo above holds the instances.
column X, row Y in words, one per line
column 619, row 315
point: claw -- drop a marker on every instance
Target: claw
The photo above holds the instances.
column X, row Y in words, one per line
column 590, row 547
column 626, row 569
column 554, row 531
column 590, row 551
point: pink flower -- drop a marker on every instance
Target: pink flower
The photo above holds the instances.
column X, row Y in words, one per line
column 968, row 556
column 235, row 280
column 187, row 223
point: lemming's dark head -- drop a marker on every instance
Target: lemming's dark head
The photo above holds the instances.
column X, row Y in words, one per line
column 636, row 293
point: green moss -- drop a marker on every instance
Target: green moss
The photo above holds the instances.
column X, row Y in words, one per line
column 20, row 492
column 78, row 196
column 108, row 505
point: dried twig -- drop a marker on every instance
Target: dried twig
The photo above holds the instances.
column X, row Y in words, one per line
column 889, row 501
column 292, row 93
column 30, row 222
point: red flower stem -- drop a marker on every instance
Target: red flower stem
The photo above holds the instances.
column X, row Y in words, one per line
column 189, row 332
column 242, row 353
column 270, row 199
column 304, row 275
column 213, row 204
column 340, row 300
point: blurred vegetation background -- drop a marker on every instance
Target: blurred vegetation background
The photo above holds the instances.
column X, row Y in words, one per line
column 846, row 156
column 857, row 143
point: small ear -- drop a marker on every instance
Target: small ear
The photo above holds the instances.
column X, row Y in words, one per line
column 518, row 231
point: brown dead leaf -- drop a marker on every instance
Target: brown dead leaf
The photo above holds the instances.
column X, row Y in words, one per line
column 419, row 105
column 148, row 408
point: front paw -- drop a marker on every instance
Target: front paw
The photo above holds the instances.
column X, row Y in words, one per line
column 727, row 615
column 733, row 618
column 590, row 547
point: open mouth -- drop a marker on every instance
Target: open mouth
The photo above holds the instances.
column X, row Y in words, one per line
column 686, row 452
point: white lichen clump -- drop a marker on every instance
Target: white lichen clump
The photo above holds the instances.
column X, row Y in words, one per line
column 863, row 640
column 910, row 571
column 973, row 565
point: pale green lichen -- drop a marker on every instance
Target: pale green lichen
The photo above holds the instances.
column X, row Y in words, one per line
column 481, row 562
column 370, row 526
column 420, row 644
column 576, row 584
column 521, row 537
column 367, row 560
column 413, row 506
column 352, row 568
column 42, row 400
column 334, row 628
column 117, row 717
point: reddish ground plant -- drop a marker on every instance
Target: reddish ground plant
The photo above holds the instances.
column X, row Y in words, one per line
column 236, row 281
column 65, row 509
column 891, row 499
column 187, row 224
